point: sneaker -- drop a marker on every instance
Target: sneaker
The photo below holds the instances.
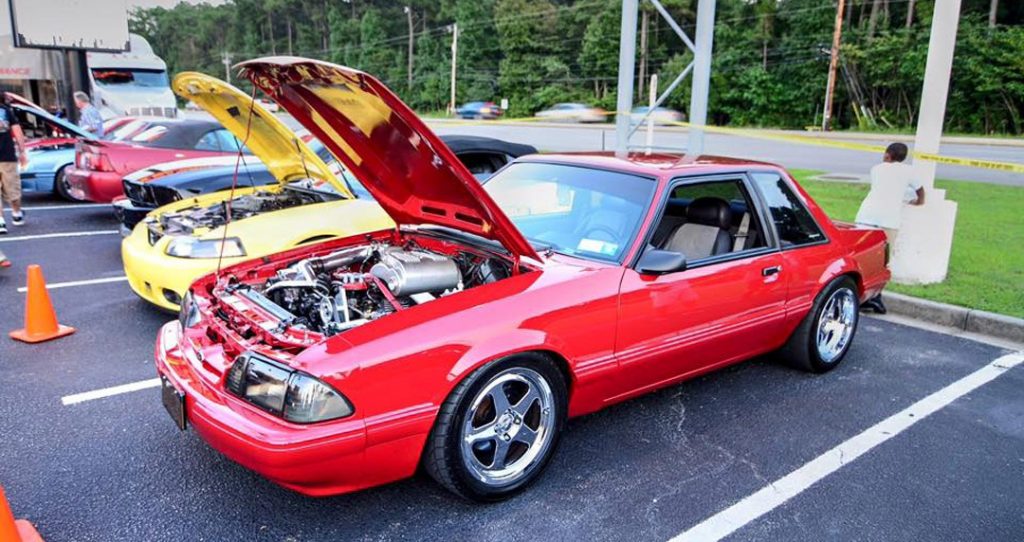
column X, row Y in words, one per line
column 3, row 227
column 18, row 219
column 4, row 262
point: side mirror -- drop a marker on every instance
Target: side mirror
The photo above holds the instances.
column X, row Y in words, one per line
column 659, row 262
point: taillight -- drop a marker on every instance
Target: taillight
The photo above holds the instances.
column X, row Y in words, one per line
column 95, row 161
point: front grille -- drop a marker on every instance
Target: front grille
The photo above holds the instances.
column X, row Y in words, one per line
column 137, row 193
column 162, row 195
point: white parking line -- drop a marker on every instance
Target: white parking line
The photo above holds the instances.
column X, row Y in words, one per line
column 56, row 285
column 61, row 207
column 107, row 392
column 775, row 494
column 57, row 235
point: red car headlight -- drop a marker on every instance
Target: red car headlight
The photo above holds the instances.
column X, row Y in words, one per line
column 284, row 392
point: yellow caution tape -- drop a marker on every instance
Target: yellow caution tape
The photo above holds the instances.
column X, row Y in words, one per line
column 806, row 140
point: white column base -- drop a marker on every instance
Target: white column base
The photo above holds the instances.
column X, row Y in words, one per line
column 925, row 240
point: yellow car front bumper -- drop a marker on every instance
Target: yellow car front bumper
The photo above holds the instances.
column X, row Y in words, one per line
column 158, row 278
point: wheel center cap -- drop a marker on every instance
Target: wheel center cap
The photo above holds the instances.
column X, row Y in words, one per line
column 504, row 423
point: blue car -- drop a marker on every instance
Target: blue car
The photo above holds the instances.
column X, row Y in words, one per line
column 47, row 159
column 479, row 110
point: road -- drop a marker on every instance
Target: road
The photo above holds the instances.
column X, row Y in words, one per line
column 791, row 155
column 574, row 137
column 116, row 469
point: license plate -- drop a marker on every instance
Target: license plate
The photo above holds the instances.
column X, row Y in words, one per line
column 174, row 402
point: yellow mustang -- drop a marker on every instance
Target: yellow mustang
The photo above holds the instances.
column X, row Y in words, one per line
column 180, row 242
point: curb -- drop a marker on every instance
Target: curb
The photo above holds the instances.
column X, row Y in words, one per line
column 970, row 320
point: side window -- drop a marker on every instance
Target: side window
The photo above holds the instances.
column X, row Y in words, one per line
column 707, row 219
column 209, row 142
column 228, row 141
column 793, row 221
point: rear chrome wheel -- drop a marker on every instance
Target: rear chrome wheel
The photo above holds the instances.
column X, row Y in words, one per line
column 498, row 428
column 824, row 336
column 836, row 324
column 508, row 426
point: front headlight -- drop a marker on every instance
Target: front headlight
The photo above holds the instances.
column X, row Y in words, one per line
column 190, row 247
column 282, row 391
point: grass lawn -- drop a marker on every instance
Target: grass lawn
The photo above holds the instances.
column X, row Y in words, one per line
column 986, row 268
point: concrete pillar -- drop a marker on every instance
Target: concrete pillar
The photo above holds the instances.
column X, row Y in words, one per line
column 701, row 75
column 627, row 65
column 925, row 238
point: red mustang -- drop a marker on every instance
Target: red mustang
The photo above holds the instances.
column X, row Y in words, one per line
column 100, row 165
column 464, row 339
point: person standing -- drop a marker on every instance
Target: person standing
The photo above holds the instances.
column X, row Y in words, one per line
column 12, row 152
column 892, row 186
column 89, row 118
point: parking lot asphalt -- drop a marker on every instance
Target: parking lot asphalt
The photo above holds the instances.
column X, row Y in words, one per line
column 116, row 468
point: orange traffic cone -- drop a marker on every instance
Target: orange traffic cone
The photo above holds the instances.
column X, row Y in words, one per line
column 40, row 319
column 12, row 530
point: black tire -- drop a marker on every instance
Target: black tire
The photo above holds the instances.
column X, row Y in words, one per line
column 801, row 350
column 60, row 186
column 443, row 457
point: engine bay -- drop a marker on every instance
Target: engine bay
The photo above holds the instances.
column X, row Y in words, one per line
column 349, row 287
column 188, row 221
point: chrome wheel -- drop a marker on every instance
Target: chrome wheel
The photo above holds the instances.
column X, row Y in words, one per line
column 509, row 426
column 836, row 324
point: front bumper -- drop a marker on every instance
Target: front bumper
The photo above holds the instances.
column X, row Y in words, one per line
column 316, row 459
column 158, row 278
column 97, row 186
column 129, row 214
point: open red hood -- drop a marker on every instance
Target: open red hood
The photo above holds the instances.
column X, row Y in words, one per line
column 413, row 175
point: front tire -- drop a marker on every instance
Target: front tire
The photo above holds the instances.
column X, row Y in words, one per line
column 823, row 338
column 499, row 428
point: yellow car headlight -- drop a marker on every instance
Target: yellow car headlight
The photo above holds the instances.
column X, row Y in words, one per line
column 190, row 247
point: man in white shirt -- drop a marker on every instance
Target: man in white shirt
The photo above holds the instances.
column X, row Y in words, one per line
column 892, row 187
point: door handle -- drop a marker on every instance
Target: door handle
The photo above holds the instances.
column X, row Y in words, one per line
column 769, row 271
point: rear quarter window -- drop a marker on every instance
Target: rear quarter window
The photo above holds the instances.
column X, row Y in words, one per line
column 794, row 224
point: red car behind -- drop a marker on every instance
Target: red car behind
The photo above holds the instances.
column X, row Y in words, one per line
column 463, row 340
column 100, row 165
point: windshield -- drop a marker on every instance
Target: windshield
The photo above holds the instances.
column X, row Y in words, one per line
column 574, row 210
column 130, row 76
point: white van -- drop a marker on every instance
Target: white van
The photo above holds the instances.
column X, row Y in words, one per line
column 133, row 83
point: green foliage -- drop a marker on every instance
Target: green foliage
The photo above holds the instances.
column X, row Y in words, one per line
column 769, row 67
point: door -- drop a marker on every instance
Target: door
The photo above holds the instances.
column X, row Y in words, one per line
column 725, row 306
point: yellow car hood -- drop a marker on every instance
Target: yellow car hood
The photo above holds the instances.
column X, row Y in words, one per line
column 285, row 155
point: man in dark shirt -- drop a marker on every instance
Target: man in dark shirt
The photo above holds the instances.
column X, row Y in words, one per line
column 12, row 152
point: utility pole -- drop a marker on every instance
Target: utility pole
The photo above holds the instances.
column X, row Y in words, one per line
column 830, row 87
column 652, row 100
column 226, row 60
column 701, row 75
column 627, row 64
column 408, row 14
column 455, row 56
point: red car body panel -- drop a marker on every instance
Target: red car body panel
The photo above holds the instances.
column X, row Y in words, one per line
column 123, row 158
column 615, row 332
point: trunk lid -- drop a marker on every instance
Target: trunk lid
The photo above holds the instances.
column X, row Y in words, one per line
column 412, row 174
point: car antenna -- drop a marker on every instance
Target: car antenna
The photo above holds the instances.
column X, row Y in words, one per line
column 234, row 182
